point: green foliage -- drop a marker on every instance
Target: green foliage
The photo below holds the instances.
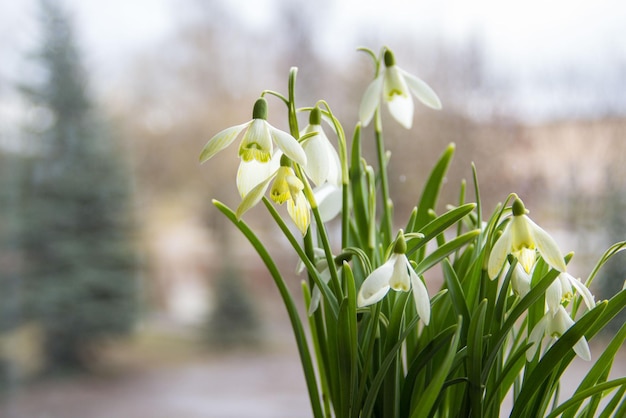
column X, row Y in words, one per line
column 76, row 234
column 483, row 342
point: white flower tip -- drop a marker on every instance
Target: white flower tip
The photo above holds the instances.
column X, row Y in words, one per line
column 370, row 101
column 581, row 348
column 367, row 297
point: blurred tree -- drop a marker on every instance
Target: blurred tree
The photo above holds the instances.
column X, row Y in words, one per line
column 234, row 320
column 79, row 270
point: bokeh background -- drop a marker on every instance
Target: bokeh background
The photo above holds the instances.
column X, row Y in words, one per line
column 123, row 292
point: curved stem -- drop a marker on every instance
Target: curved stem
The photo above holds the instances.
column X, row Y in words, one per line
column 291, row 104
column 292, row 310
column 387, row 221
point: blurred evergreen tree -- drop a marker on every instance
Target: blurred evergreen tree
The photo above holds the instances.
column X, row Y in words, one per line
column 234, row 320
column 79, row 280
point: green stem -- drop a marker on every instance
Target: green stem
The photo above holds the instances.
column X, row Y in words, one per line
column 292, row 310
column 291, row 104
column 345, row 177
column 387, row 222
column 313, row 273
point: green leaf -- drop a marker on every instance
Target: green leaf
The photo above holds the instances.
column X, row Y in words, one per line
column 423, row 406
column 384, row 367
column 575, row 400
column 430, row 194
column 359, row 197
column 519, row 309
column 329, row 296
column 345, row 354
column 607, row 412
column 475, row 358
column 451, row 246
column 551, row 360
column 438, row 225
column 292, row 310
column 601, row 366
column 420, row 360
column 456, row 294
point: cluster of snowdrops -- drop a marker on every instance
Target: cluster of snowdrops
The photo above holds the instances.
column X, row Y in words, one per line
column 507, row 321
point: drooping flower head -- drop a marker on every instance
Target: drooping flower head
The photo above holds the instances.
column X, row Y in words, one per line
column 257, row 141
column 323, row 164
column 286, row 187
column 553, row 325
column 394, row 86
column 523, row 238
column 562, row 290
column 397, row 274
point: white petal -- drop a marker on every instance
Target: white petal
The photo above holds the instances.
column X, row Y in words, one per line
column 254, row 196
column 520, row 280
column 536, row 337
column 422, row 91
column 547, row 247
column 334, row 169
column 581, row 348
column 584, row 292
column 398, row 98
column 422, row 300
column 554, row 294
column 527, row 259
column 256, row 142
column 316, row 295
column 375, row 286
column 299, row 212
column 318, row 163
column 289, row 145
column 560, row 324
column 220, row 141
column 370, row 100
column 251, row 173
column 401, row 108
column 329, row 201
column 400, row 279
column 499, row 251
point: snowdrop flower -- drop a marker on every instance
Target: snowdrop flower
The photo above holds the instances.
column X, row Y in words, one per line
column 561, row 290
column 523, row 238
column 329, row 201
column 554, row 324
column 287, row 187
column 395, row 86
column 520, row 280
column 322, row 160
column 397, row 274
column 257, row 141
column 251, row 173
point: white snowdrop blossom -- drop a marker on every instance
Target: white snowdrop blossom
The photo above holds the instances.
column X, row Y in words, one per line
column 394, row 86
column 562, row 290
column 251, row 173
column 523, row 238
column 323, row 164
column 257, row 141
column 329, row 201
column 520, row 280
column 553, row 325
column 287, row 187
column 397, row 274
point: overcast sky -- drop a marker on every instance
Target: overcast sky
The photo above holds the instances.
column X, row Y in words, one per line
column 522, row 38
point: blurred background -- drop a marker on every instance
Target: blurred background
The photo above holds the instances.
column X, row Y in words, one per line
column 124, row 292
